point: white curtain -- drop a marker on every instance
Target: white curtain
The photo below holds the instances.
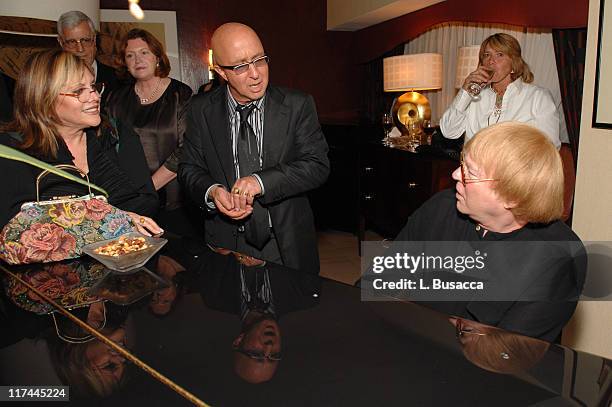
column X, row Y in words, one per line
column 537, row 50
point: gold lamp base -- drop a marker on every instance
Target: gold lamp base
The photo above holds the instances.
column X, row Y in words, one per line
column 408, row 108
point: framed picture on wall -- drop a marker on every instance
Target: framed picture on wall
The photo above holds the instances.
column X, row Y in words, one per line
column 602, row 105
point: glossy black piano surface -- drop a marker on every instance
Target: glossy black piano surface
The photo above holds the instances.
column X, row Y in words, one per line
column 185, row 323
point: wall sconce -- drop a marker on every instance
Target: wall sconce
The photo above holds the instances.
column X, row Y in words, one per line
column 411, row 73
column 211, row 66
column 467, row 62
column 135, row 9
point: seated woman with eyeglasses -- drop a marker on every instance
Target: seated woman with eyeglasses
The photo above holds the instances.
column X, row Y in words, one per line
column 509, row 191
column 57, row 120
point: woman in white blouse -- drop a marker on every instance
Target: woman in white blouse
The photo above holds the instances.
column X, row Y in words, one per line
column 510, row 95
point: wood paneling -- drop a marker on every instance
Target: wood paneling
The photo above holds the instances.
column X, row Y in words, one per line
column 303, row 54
column 327, row 64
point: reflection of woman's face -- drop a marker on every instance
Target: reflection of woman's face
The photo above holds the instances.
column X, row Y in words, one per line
column 74, row 114
column 140, row 60
column 106, row 361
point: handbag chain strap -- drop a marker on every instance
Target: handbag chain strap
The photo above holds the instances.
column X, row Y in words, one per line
column 61, row 167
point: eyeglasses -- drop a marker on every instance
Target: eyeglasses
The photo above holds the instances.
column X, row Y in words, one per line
column 74, row 44
column 84, row 94
column 239, row 69
column 465, row 180
column 258, row 355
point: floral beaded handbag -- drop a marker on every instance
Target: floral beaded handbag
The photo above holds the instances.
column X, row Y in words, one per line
column 45, row 231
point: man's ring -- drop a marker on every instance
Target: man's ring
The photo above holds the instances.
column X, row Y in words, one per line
column 142, row 220
column 236, row 191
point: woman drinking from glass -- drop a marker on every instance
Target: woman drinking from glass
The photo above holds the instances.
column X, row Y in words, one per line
column 509, row 96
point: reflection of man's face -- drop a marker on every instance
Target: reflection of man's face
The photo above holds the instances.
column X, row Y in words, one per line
column 260, row 341
column 263, row 336
column 82, row 49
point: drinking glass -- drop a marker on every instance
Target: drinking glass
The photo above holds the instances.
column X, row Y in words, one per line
column 475, row 88
column 387, row 122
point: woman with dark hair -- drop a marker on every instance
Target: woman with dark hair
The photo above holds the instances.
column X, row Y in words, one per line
column 155, row 106
column 509, row 96
column 57, row 120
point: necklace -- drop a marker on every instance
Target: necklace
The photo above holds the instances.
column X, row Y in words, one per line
column 497, row 108
column 151, row 96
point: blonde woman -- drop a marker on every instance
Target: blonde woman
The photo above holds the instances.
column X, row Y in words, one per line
column 57, row 111
column 507, row 95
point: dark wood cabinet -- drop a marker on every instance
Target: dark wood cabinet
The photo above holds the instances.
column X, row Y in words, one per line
column 372, row 186
column 393, row 183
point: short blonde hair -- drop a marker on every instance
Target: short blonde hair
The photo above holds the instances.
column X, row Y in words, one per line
column 510, row 46
column 526, row 166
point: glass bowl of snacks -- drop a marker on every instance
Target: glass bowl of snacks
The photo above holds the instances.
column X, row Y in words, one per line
column 125, row 253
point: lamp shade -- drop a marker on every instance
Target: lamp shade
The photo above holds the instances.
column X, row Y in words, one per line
column 467, row 62
column 412, row 72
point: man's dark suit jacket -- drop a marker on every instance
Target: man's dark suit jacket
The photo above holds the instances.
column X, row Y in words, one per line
column 221, row 290
column 294, row 162
column 107, row 75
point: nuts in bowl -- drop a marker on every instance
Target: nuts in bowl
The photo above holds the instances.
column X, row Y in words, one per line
column 121, row 246
column 125, row 253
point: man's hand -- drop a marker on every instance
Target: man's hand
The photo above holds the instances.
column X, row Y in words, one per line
column 244, row 191
column 225, row 204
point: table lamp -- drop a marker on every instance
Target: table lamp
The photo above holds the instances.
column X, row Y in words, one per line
column 411, row 73
column 467, row 62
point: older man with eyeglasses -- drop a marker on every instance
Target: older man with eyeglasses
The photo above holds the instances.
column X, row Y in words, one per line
column 251, row 154
column 506, row 207
column 76, row 34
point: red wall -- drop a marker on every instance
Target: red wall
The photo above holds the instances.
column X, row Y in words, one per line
column 304, row 55
column 326, row 64
column 373, row 41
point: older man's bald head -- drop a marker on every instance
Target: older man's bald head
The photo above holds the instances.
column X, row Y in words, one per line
column 230, row 38
column 234, row 44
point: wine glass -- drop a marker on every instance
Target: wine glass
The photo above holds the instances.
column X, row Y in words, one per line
column 475, row 88
column 414, row 131
column 387, row 122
